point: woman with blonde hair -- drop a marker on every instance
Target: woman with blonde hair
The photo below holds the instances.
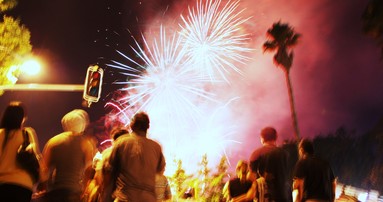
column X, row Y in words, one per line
column 240, row 188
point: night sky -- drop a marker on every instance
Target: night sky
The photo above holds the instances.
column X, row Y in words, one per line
column 336, row 74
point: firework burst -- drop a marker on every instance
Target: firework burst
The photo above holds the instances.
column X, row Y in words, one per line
column 175, row 80
column 163, row 80
column 213, row 38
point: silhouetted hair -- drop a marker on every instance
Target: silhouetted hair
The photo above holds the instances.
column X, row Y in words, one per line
column 117, row 132
column 13, row 116
column 140, row 122
column 242, row 166
column 307, row 146
column 242, row 169
column 269, row 134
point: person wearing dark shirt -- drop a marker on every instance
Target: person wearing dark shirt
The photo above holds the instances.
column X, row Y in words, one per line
column 313, row 176
column 237, row 189
column 269, row 165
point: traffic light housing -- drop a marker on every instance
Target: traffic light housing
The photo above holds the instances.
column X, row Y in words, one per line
column 93, row 84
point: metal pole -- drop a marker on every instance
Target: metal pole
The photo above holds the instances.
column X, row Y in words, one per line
column 43, row 87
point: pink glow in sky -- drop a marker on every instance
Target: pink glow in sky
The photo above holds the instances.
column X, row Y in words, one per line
column 336, row 72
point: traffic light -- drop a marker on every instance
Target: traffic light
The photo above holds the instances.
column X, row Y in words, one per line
column 93, row 84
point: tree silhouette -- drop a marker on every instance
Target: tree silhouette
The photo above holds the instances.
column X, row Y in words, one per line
column 372, row 19
column 281, row 39
column 14, row 45
column 7, row 5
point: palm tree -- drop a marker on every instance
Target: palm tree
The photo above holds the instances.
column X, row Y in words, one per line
column 282, row 39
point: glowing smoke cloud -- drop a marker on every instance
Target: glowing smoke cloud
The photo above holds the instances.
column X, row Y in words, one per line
column 178, row 93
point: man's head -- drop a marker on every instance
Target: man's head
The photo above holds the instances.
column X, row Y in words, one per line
column 305, row 148
column 269, row 135
column 140, row 122
column 117, row 132
column 76, row 121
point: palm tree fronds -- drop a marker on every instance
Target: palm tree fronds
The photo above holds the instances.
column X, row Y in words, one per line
column 269, row 46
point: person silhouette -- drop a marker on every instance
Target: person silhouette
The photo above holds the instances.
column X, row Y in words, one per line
column 313, row 176
column 239, row 188
column 135, row 160
column 67, row 156
column 16, row 184
column 269, row 164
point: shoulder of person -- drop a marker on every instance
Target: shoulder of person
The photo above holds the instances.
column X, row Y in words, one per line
column 258, row 153
column 126, row 137
column 31, row 133
column 154, row 142
column 122, row 141
column 255, row 153
column 57, row 139
column 30, row 130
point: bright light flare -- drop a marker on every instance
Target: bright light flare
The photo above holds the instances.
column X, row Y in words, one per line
column 31, row 67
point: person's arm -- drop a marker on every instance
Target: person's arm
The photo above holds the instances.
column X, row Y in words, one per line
column 110, row 166
column 248, row 196
column 45, row 169
column 33, row 139
column 36, row 149
column 161, row 162
column 225, row 191
column 298, row 186
column 168, row 192
column 108, row 184
column 89, row 150
column 333, row 189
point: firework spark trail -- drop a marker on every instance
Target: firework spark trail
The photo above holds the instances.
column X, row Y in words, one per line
column 123, row 112
column 217, row 139
column 213, row 38
column 164, row 80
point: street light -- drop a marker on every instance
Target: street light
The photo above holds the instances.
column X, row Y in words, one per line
column 31, row 67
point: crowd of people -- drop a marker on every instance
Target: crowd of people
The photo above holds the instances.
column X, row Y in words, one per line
column 313, row 178
column 132, row 169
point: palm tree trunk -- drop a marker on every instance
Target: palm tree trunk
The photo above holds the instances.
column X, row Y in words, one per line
column 292, row 106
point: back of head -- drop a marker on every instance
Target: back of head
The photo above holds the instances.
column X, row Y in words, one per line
column 241, row 169
column 13, row 116
column 307, row 146
column 140, row 122
column 76, row 121
column 269, row 134
column 117, row 132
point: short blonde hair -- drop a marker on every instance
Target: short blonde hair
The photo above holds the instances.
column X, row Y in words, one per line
column 76, row 121
column 242, row 166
